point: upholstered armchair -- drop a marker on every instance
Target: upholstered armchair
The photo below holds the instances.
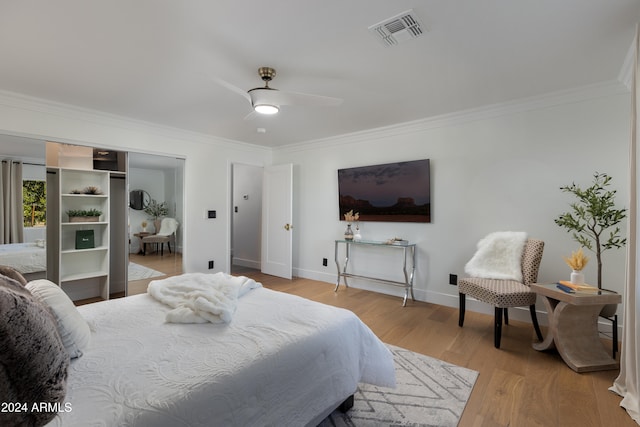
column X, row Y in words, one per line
column 505, row 293
column 166, row 234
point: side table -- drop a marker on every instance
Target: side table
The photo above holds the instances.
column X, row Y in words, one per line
column 408, row 252
column 140, row 235
column 573, row 326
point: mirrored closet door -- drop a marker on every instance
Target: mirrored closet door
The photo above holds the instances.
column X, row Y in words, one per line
column 101, row 181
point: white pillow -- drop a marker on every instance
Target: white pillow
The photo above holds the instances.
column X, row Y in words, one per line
column 72, row 327
column 499, row 256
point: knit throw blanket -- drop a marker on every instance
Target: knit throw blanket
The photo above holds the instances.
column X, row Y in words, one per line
column 498, row 256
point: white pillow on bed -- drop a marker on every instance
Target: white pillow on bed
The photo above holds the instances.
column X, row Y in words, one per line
column 72, row 327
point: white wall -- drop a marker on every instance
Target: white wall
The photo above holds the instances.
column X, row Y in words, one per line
column 491, row 170
column 496, row 168
column 206, row 180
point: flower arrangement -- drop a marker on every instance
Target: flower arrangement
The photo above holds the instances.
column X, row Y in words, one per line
column 155, row 210
column 351, row 217
column 577, row 261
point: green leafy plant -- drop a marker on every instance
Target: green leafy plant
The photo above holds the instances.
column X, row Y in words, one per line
column 593, row 214
column 84, row 212
column 156, row 210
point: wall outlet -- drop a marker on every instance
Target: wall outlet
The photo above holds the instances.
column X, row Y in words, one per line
column 453, row 279
column 210, row 265
column 324, row 262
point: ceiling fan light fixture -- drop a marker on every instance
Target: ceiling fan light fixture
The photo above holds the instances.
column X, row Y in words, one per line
column 266, row 109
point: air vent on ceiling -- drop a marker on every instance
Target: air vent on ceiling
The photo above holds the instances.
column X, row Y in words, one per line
column 400, row 28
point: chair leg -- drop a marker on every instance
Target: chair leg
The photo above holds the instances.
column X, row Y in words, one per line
column 161, row 249
column 506, row 315
column 615, row 335
column 534, row 320
column 461, row 310
column 169, row 246
column 497, row 327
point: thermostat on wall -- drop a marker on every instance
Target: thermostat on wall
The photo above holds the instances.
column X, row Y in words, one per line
column 211, row 214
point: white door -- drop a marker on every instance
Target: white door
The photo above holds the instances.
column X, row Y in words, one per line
column 277, row 212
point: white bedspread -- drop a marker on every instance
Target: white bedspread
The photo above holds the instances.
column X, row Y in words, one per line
column 24, row 257
column 200, row 297
column 283, row 360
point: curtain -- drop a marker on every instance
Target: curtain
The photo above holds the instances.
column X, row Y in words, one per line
column 626, row 385
column 11, row 210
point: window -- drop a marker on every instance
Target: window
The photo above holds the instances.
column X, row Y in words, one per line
column 34, row 195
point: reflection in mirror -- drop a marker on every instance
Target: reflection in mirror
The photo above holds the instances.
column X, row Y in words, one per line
column 159, row 176
column 22, row 237
column 138, row 200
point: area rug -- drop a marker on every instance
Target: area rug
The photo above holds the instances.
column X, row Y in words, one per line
column 139, row 272
column 429, row 392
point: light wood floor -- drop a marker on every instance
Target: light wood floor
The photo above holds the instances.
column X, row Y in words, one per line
column 517, row 386
column 170, row 264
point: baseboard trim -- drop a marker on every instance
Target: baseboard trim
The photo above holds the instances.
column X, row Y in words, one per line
column 520, row 314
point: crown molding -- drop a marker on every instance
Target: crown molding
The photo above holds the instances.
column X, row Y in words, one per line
column 610, row 88
column 72, row 112
column 538, row 102
column 627, row 66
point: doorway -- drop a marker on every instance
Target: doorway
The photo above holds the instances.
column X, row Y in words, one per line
column 246, row 217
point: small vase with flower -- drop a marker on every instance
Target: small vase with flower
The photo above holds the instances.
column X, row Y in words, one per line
column 577, row 261
column 350, row 217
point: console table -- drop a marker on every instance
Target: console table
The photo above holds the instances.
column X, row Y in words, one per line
column 408, row 252
column 573, row 326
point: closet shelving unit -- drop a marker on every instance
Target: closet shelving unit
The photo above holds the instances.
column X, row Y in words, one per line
column 85, row 272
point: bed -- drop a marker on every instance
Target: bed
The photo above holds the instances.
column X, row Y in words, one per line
column 28, row 258
column 281, row 360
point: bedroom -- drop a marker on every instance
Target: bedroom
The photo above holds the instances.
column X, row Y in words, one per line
column 494, row 167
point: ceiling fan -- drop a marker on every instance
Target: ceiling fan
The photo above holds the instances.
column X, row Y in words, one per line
column 268, row 100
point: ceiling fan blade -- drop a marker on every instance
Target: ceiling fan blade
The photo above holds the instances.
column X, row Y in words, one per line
column 278, row 97
column 252, row 115
column 231, row 87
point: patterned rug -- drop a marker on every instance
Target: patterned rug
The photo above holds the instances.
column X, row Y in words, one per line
column 429, row 392
column 139, row 272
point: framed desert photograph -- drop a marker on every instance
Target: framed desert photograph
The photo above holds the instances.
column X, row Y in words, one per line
column 393, row 192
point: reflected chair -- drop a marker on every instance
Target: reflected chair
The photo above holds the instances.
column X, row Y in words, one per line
column 167, row 233
column 503, row 294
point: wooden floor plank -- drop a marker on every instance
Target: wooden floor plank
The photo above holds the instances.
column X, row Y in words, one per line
column 517, row 385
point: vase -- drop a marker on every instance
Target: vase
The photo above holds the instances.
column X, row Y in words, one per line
column 348, row 233
column 156, row 224
column 577, row 277
column 357, row 236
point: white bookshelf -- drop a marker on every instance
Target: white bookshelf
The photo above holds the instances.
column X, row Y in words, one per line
column 99, row 270
column 82, row 273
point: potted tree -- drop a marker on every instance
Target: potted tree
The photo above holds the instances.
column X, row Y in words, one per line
column 591, row 215
column 156, row 211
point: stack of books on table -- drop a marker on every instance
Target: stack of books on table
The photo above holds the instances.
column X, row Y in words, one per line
column 578, row 288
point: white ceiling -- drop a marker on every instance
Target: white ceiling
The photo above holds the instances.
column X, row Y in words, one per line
column 158, row 60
